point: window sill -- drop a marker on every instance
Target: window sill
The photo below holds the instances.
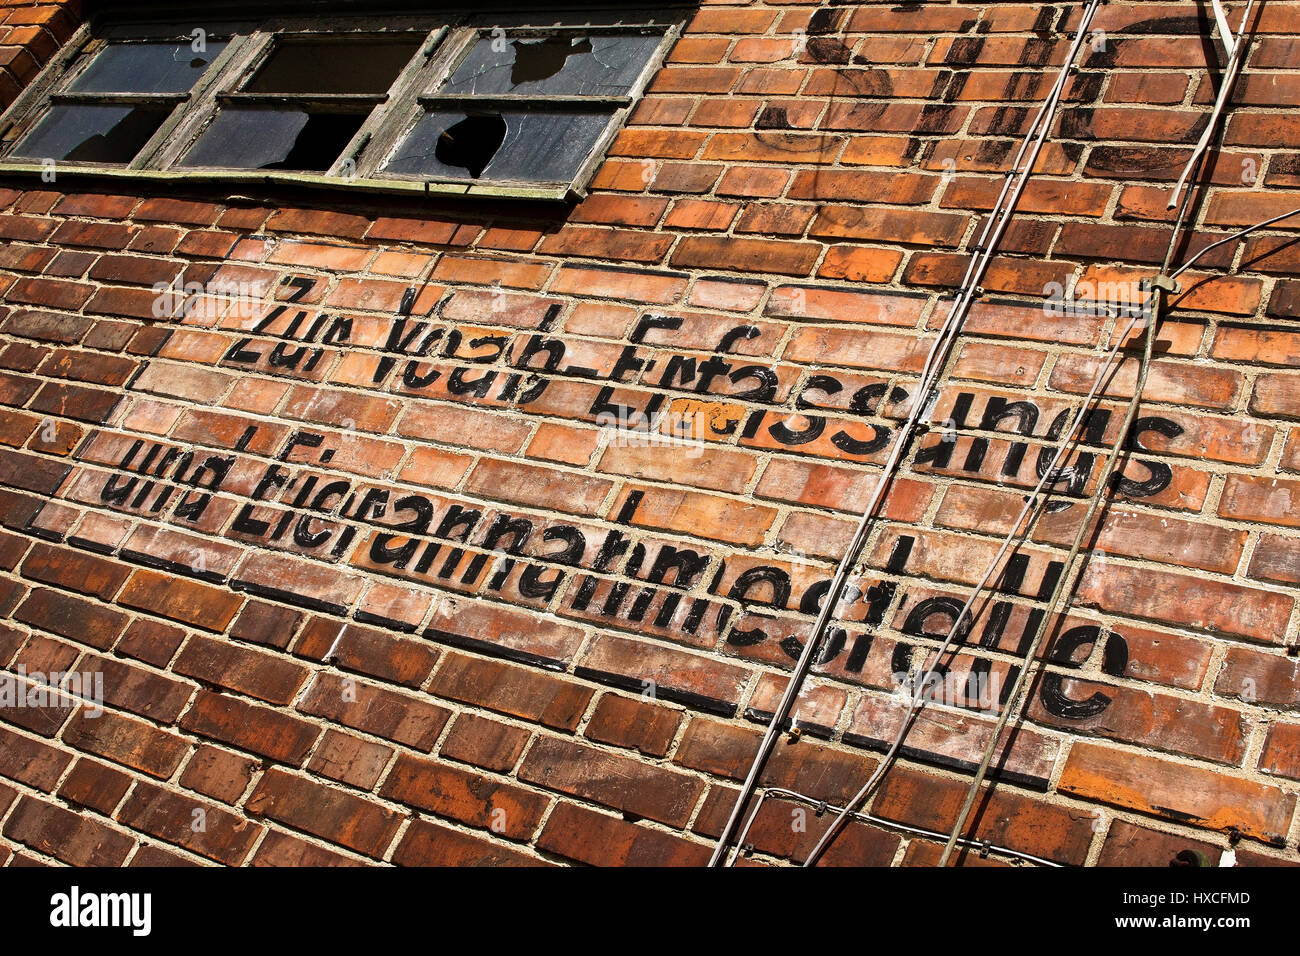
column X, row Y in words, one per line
column 310, row 180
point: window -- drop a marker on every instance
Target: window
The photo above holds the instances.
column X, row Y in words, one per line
column 508, row 105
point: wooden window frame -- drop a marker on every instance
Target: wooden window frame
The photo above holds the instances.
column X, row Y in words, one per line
column 447, row 38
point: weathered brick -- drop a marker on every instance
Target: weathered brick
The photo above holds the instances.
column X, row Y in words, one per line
column 619, row 782
column 350, row 760
column 323, row 811
column 125, row 740
column 515, row 691
column 1188, row 794
column 639, row 725
column 64, row 835
column 224, row 836
column 260, row 730
column 598, row 839
column 458, row 794
column 375, row 710
column 431, row 844
column 484, row 742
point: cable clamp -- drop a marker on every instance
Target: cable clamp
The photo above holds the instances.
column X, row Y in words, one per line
column 822, row 808
column 1169, row 285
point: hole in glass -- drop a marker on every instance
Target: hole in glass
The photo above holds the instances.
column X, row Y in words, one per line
column 544, row 146
column 291, row 139
column 471, row 143
column 538, row 60
column 339, row 66
column 555, row 65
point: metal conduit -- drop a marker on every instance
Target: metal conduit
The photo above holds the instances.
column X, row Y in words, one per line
column 1012, row 187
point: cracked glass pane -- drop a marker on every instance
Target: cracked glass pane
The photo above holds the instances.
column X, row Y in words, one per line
column 290, row 139
column 146, row 68
column 91, row 134
column 339, row 66
column 563, row 65
column 534, row 147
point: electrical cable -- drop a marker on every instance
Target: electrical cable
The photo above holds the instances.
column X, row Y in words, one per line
column 1236, row 235
column 1012, row 188
column 1236, row 48
column 1035, row 499
column 1153, row 306
column 980, row 845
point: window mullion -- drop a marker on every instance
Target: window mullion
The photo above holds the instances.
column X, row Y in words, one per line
column 171, row 142
column 403, row 110
column 587, row 171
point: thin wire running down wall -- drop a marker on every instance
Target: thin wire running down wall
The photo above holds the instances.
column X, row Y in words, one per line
column 1145, row 319
column 927, row 393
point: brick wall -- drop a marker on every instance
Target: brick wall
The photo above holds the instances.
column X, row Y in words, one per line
column 364, row 587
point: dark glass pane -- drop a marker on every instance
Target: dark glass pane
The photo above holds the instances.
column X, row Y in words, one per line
column 146, row 68
column 91, row 134
column 535, row 147
column 558, row 65
column 273, row 139
column 338, row 66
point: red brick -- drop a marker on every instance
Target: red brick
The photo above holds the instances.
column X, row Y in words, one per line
column 1001, row 816
column 150, row 641
column 431, row 844
column 218, row 773
column 1254, row 676
column 218, row 662
column 71, row 617
column 810, row 768
column 619, row 782
column 598, row 839
column 350, row 760
column 486, row 743
column 138, row 690
column 322, row 811
column 95, row 785
column 1271, row 500
column 515, row 691
column 447, row 791
column 31, row 761
column 375, row 710
column 67, row 836
column 250, row 727
column 1188, row 794
column 189, row 602
column 83, row 573
column 199, row 827
column 640, row 725
column 281, row 849
column 127, row 741
column 1130, row 845
column 664, row 672
column 1199, row 603
column 398, row 660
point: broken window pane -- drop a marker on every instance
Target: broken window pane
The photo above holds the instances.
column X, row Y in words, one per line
column 293, row 139
column 562, row 65
column 146, row 68
column 322, row 66
column 546, row 146
column 91, row 134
